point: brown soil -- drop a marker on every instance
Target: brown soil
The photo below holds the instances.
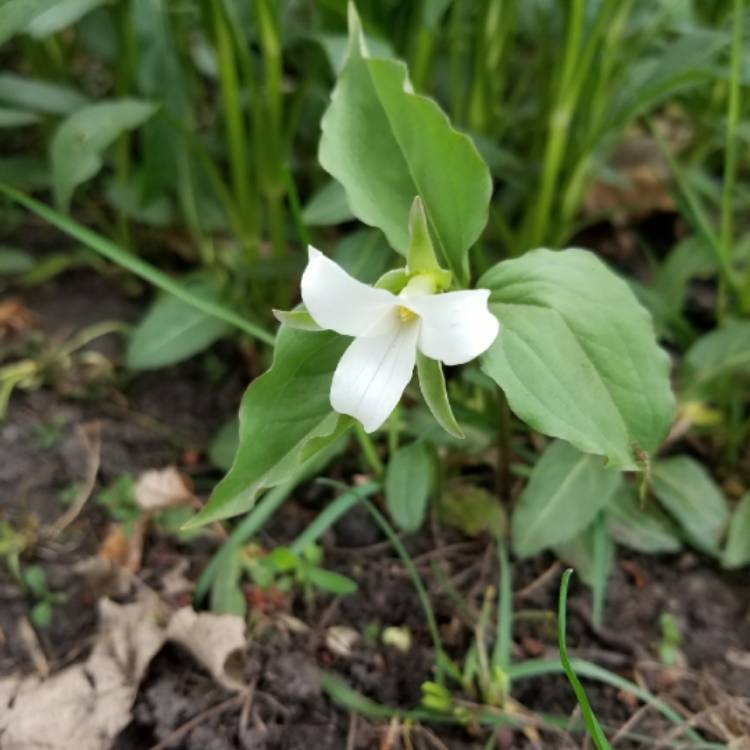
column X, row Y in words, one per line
column 155, row 419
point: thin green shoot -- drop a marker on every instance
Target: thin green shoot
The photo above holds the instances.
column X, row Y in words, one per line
column 730, row 160
column 332, row 512
column 592, row 724
column 411, row 570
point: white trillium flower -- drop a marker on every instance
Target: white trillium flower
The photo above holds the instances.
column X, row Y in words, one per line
column 453, row 327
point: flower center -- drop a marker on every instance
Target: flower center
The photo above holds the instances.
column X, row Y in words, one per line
column 406, row 314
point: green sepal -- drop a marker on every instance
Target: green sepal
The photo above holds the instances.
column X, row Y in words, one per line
column 432, row 385
column 393, row 281
column 298, row 319
column 420, row 257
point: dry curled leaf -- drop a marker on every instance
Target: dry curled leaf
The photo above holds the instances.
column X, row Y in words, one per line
column 160, row 489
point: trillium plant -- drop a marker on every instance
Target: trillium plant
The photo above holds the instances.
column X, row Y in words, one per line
column 390, row 328
column 552, row 336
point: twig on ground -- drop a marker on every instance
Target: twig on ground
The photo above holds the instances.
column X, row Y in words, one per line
column 351, row 735
column 234, row 702
column 551, row 574
column 92, row 442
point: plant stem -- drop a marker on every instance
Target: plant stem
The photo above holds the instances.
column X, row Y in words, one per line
column 535, row 227
column 504, row 449
column 233, row 116
column 369, row 450
column 296, row 209
column 422, row 58
column 125, row 73
column 456, row 62
column 730, row 161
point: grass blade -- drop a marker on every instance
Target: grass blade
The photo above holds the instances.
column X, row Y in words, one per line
column 592, row 724
column 134, row 264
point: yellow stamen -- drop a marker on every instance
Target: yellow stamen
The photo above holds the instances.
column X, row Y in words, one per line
column 406, row 314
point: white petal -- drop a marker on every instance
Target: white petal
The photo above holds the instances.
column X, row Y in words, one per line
column 373, row 373
column 339, row 302
column 456, row 326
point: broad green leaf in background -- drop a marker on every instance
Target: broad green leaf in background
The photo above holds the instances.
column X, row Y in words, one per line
column 722, row 352
column 224, row 445
column 365, row 254
column 14, row 261
column 432, row 385
column 15, row 15
column 685, row 62
column 42, row 97
column 737, row 550
column 327, row 206
column 61, row 15
column 16, row 118
column 566, row 491
column 693, row 499
column 80, row 140
column 173, row 330
column 285, row 418
column 640, row 526
column 472, row 509
column 408, row 483
column 691, row 258
column 577, row 356
column 386, row 145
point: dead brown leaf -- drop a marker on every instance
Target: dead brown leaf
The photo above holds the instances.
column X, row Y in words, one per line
column 160, row 489
column 86, row 705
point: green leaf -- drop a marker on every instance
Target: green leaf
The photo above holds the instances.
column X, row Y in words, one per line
column 725, row 351
column 565, row 493
column 224, row 445
column 35, row 580
column 283, row 559
column 42, row 97
column 327, row 580
column 365, row 254
column 685, row 62
column 63, row 14
column 15, row 15
column 16, row 118
column 78, row 143
column 172, row 330
column 282, row 413
column 408, row 483
column 577, row 356
column 432, row 385
column 737, row 550
column 693, row 499
column 328, row 206
column 41, row 614
column 692, row 258
column 386, row 145
column 472, row 510
column 641, row 527
column 14, row 261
